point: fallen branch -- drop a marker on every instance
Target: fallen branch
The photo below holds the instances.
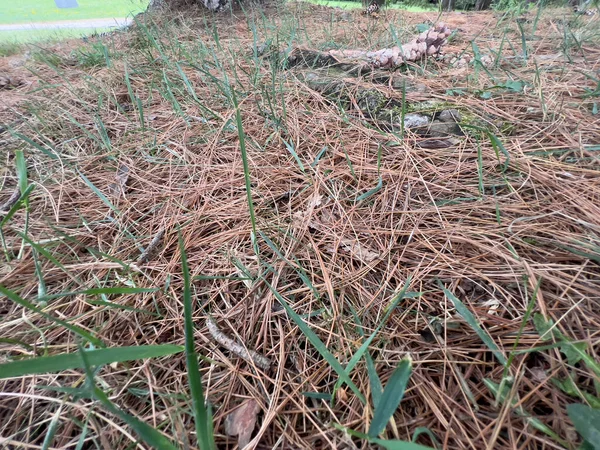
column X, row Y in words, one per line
column 428, row 43
column 156, row 241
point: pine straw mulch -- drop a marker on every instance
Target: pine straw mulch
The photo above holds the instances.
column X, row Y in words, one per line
column 535, row 222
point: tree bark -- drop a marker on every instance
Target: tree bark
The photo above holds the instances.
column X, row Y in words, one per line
column 448, row 5
column 481, row 5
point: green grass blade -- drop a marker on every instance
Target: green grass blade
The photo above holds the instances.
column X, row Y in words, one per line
column 376, row 385
column 201, row 416
column 371, row 192
column 96, row 191
column 498, row 146
column 51, row 430
column 391, row 397
column 51, row 154
column 530, row 305
column 242, row 138
column 118, row 306
column 104, row 291
column 424, row 430
column 317, row 343
column 39, row 274
column 374, row 380
column 399, row 445
column 84, row 431
column 21, row 170
column 472, row 321
column 148, row 434
column 569, row 387
column 57, row 363
column 388, row 444
column 74, row 328
column 292, row 151
column 318, row 395
column 501, row 393
column 587, row 423
column 574, row 351
column 319, row 156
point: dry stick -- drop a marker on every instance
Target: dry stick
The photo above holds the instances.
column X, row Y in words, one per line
column 428, row 43
column 236, row 347
column 156, row 240
column 5, row 208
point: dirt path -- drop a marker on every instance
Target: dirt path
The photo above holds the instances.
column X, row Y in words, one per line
column 86, row 23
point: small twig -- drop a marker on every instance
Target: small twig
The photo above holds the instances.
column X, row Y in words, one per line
column 156, row 240
column 236, row 347
column 14, row 198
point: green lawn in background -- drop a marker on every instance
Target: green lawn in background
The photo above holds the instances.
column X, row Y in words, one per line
column 32, row 36
column 25, row 11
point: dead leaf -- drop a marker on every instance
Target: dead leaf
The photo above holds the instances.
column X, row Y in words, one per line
column 122, row 177
column 358, row 250
column 241, row 422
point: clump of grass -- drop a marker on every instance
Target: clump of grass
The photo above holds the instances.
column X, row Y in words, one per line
column 9, row 48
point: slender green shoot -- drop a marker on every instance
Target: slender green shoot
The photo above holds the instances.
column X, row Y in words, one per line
column 202, row 418
column 473, row 323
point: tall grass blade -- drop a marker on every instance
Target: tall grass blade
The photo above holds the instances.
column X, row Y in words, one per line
column 104, row 291
column 83, row 435
column 317, row 343
column 242, row 137
column 371, row 192
column 21, row 170
column 365, row 346
column 388, row 444
column 374, row 380
column 424, row 430
column 58, row 363
column 202, row 418
column 501, row 394
column 292, row 151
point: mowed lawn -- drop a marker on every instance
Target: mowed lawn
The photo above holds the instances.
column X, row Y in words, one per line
column 26, row 11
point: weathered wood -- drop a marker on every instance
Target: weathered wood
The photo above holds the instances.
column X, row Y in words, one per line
column 428, row 43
